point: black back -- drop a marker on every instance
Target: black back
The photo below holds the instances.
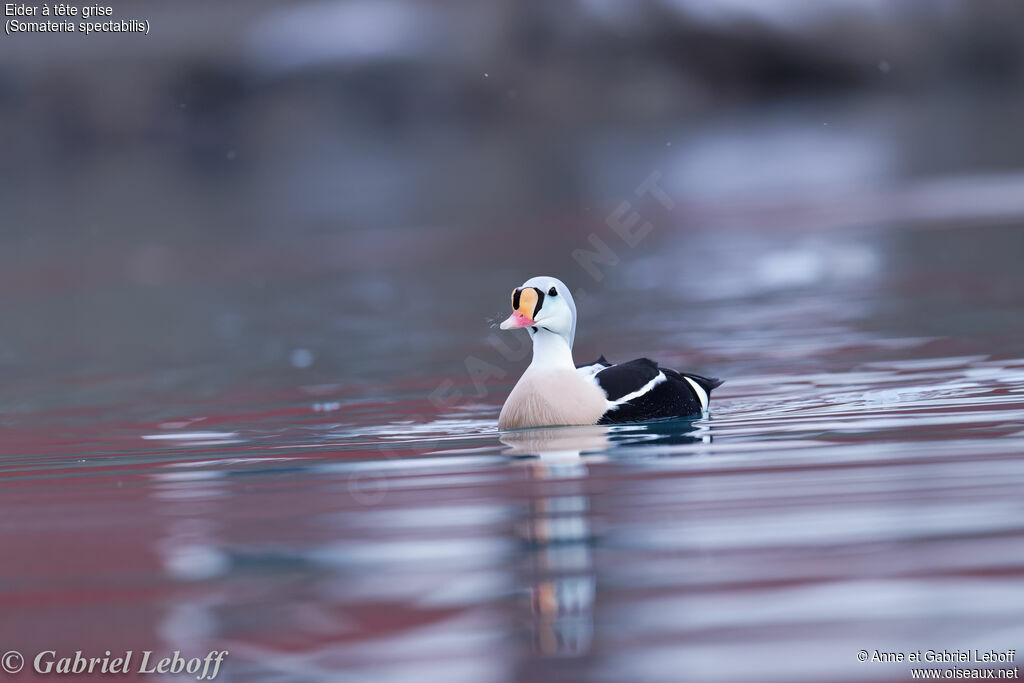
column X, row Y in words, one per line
column 672, row 398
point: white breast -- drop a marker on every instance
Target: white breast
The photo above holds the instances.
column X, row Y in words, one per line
column 546, row 397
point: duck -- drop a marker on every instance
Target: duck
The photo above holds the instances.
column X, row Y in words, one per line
column 555, row 391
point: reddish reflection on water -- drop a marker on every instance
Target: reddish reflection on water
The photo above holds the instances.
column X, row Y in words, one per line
column 748, row 544
column 857, row 486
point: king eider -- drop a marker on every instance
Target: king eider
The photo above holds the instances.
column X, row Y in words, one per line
column 555, row 391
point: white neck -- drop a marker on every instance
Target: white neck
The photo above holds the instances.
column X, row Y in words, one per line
column 550, row 351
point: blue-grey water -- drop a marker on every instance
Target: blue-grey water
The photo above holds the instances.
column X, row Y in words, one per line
column 286, row 448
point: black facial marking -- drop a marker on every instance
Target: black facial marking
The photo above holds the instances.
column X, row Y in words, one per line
column 540, row 302
column 534, row 328
column 515, row 297
column 552, row 292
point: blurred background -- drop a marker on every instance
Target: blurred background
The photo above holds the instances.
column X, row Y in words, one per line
column 248, row 269
column 247, row 181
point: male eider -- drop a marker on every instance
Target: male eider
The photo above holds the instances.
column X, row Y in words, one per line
column 555, row 391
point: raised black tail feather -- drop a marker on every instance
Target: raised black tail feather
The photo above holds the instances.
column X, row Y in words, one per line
column 707, row 383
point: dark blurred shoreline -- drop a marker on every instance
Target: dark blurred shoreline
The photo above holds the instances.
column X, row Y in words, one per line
column 308, row 164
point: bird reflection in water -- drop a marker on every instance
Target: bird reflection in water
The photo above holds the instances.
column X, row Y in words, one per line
column 557, row 528
column 558, row 535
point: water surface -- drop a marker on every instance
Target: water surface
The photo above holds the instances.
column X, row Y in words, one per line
column 330, row 498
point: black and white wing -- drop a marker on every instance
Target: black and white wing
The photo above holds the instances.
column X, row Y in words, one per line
column 591, row 369
column 640, row 390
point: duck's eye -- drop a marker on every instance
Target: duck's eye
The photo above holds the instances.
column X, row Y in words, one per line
column 552, row 292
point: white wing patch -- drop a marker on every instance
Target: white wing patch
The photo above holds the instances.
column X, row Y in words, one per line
column 589, row 371
column 702, row 395
column 659, row 378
